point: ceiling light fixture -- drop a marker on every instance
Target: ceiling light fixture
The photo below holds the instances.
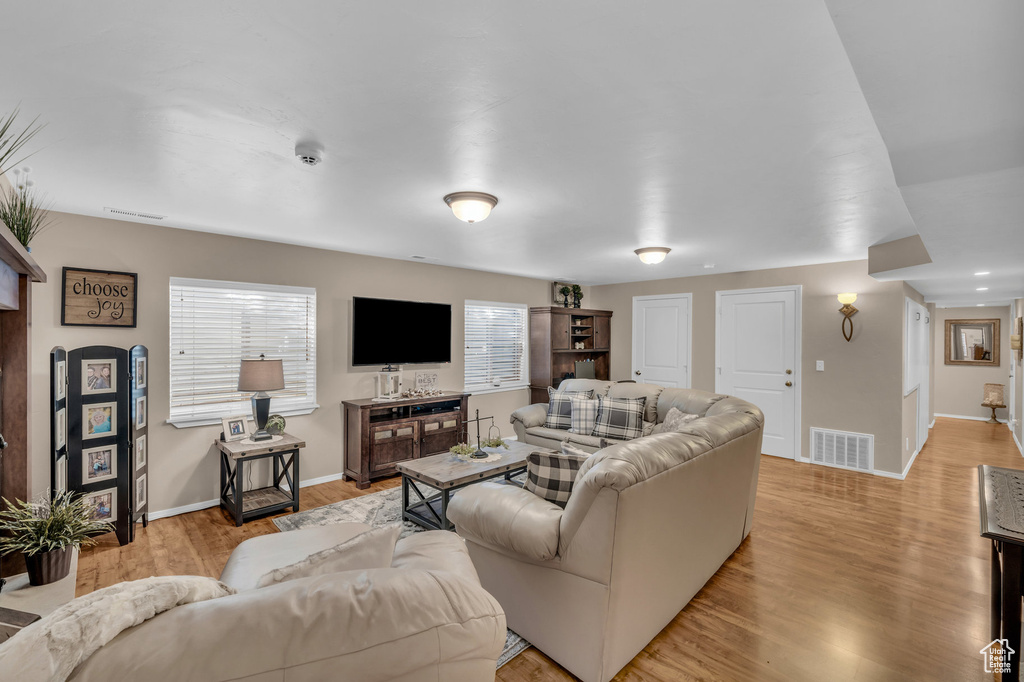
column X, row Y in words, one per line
column 982, row 289
column 652, row 255
column 981, row 305
column 979, row 274
column 471, row 207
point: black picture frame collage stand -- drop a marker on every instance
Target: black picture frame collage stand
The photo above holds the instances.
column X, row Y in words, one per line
column 99, row 431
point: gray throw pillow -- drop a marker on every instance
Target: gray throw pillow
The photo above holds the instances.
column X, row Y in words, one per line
column 620, row 418
column 675, row 420
column 560, row 407
column 551, row 474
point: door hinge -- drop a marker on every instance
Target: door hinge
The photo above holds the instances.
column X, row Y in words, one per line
column 719, row 369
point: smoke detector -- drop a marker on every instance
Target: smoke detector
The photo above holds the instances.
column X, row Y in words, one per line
column 309, row 154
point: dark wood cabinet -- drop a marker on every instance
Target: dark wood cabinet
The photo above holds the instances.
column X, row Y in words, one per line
column 378, row 435
column 561, row 336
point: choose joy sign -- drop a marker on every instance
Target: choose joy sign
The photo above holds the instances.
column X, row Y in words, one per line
column 98, row 298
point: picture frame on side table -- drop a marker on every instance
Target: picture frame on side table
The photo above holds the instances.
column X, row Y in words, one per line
column 99, row 376
column 140, row 452
column 105, row 503
column 99, row 420
column 99, row 464
column 140, row 412
column 235, row 428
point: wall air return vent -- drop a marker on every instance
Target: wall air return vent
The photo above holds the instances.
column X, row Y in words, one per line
column 842, row 449
column 122, row 213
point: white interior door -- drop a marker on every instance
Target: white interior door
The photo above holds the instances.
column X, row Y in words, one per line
column 758, row 359
column 661, row 340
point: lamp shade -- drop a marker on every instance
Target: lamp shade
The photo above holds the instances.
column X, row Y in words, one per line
column 847, row 299
column 261, row 375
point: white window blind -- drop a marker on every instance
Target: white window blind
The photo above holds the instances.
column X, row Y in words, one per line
column 215, row 325
column 496, row 345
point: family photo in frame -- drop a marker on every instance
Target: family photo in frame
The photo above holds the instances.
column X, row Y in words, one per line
column 235, row 428
column 140, row 373
column 140, row 452
column 99, row 376
column 99, row 420
column 140, row 412
column 105, row 504
column 99, row 464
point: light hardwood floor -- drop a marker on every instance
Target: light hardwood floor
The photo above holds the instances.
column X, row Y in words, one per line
column 845, row 576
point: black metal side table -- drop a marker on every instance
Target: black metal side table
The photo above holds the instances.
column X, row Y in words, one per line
column 246, row 504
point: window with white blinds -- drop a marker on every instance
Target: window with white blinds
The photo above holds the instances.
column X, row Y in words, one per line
column 496, row 346
column 215, row 325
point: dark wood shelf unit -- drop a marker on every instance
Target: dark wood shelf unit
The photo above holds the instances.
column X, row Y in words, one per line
column 378, row 435
column 554, row 332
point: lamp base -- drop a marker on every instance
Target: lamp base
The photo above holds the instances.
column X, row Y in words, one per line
column 260, row 435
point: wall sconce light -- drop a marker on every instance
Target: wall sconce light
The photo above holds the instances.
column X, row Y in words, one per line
column 471, row 207
column 848, row 312
column 652, row 255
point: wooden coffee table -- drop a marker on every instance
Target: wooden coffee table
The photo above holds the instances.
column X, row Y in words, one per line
column 441, row 475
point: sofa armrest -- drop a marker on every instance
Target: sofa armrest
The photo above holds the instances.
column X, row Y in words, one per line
column 531, row 415
column 507, row 518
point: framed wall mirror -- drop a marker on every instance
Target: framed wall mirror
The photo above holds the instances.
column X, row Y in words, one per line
column 972, row 342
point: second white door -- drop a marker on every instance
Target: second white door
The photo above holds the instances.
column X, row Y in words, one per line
column 661, row 340
column 758, row 359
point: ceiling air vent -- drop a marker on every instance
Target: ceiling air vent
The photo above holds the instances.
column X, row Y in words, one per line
column 122, row 213
column 843, row 449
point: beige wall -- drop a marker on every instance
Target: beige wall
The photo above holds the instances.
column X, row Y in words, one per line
column 958, row 388
column 1018, row 381
column 183, row 464
column 861, row 387
column 931, row 362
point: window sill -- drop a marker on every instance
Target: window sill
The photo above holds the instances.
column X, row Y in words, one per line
column 482, row 390
column 189, row 422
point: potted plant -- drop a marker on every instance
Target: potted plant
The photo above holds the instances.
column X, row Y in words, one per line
column 46, row 533
column 11, row 143
column 23, row 212
column 577, row 295
column 565, row 291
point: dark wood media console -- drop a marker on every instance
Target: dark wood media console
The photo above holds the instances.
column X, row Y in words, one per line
column 380, row 434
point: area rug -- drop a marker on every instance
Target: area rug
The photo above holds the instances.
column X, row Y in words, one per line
column 379, row 509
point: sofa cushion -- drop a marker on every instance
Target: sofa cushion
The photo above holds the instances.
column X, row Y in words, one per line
column 584, row 441
column 620, row 418
column 551, row 474
column 584, row 415
column 598, row 386
column 372, row 549
column 675, row 420
column 560, row 407
column 635, row 390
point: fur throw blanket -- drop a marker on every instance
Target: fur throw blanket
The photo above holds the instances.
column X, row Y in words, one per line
column 51, row 648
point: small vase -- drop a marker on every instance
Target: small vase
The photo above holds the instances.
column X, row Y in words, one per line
column 565, row 300
column 48, row 567
column 576, row 302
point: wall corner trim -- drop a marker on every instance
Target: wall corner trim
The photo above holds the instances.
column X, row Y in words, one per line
column 898, row 477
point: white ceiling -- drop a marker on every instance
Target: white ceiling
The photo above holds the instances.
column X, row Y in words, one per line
column 747, row 135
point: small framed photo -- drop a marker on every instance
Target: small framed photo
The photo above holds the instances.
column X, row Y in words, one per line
column 61, row 475
column 99, row 464
column 235, row 428
column 61, row 426
column 140, row 452
column 140, row 372
column 140, row 492
column 105, row 504
column 99, row 376
column 140, row 412
column 99, row 420
column 61, row 389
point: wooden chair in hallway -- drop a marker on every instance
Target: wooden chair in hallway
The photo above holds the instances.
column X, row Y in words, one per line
column 994, row 399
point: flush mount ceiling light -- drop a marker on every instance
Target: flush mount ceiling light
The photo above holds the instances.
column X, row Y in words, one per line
column 980, row 274
column 471, row 207
column 982, row 289
column 652, row 254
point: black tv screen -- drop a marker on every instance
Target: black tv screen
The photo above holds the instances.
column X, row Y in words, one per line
column 400, row 332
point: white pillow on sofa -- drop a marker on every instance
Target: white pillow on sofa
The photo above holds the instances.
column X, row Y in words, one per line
column 675, row 420
column 372, row 549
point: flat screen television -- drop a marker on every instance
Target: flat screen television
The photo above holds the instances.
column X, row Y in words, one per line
column 387, row 332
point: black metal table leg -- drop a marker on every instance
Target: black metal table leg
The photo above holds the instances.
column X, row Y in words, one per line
column 294, row 483
column 239, row 491
column 996, row 588
column 1011, row 605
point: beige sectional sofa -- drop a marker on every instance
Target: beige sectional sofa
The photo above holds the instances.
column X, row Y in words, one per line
column 425, row 618
column 648, row 523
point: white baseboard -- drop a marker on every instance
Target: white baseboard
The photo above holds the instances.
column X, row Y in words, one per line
column 1017, row 442
column 961, row 416
column 174, row 511
column 323, row 479
column 932, row 425
column 906, row 469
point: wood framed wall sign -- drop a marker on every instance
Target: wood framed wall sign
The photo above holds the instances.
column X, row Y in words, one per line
column 98, row 298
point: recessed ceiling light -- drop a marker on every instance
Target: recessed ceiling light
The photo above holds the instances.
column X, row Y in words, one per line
column 981, row 305
column 709, row 266
column 982, row 289
column 979, row 274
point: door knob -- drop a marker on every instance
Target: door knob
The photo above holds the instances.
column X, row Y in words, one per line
column 789, row 383
column 638, row 372
column 789, row 371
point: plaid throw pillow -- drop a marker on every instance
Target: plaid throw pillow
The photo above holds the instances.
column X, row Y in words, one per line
column 584, row 415
column 551, row 474
column 620, row 418
column 560, row 407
